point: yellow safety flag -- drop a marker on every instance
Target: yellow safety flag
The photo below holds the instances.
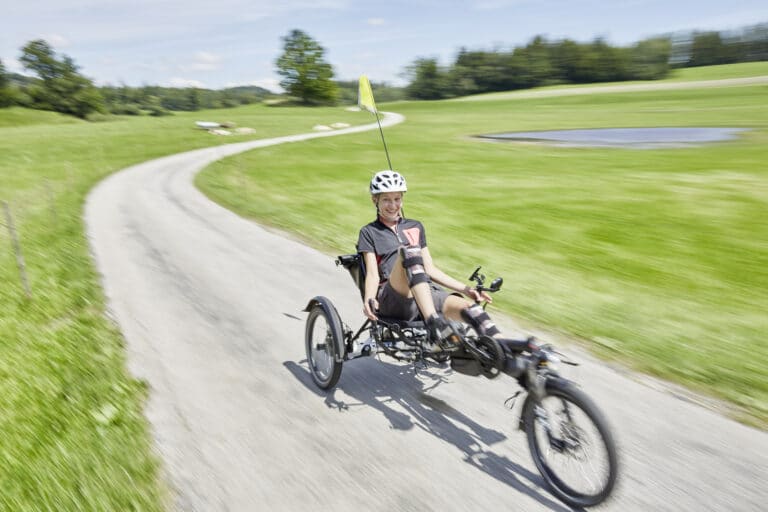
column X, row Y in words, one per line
column 365, row 95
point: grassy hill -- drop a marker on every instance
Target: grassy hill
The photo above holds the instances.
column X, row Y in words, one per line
column 743, row 70
column 654, row 258
column 17, row 116
column 72, row 432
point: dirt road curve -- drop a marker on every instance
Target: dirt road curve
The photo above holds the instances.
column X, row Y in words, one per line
column 210, row 305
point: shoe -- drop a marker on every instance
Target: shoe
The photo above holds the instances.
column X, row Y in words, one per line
column 442, row 332
column 363, row 348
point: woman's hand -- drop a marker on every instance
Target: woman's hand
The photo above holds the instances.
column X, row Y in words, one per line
column 370, row 306
column 477, row 296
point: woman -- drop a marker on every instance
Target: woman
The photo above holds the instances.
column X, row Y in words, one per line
column 401, row 278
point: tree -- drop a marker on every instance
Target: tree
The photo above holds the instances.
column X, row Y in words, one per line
column 5, row 91
column 650, row 58
column 566, row 57
column 348, row 91
column 756, row 43
column 61, row 88
column 477, row 71
column 429, row 81
column 305, row 73
column 708, row 49
column 605, row 63
column 537, row 55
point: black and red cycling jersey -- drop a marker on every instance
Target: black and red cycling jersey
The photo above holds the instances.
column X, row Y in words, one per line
column 384, row 242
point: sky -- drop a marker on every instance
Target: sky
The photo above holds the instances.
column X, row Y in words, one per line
column 224, row 43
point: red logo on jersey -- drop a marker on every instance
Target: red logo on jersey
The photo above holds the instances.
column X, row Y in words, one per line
column 413, row 235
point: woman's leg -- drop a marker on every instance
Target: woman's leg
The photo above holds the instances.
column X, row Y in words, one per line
column 402, row 281
column 453, row 307
column 462, row 310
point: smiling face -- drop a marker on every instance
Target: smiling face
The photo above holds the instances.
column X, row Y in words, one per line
column 388, row 205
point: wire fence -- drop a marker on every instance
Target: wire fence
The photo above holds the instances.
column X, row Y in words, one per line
column 21, row 216
column 17, row 250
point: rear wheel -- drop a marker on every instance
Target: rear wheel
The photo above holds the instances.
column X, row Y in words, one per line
column 322, row 337
column 571, row 444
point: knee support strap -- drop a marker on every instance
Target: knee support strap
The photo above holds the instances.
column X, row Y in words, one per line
column 479, row 320
column 414, row 265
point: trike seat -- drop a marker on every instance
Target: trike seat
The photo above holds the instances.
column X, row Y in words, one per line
column 354, row 264
column 407, row 324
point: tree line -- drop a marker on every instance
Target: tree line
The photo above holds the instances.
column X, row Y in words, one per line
column 158, row 101
column 58, row 86
column 542, row 62
column 309, row 79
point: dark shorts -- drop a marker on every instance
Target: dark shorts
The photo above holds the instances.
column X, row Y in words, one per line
column 394, row 305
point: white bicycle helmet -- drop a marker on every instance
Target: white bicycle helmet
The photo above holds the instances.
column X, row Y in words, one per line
column 388, row 181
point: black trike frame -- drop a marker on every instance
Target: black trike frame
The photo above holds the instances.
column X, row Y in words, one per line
column 394, row 337
column 528, row 362
column 399, row 339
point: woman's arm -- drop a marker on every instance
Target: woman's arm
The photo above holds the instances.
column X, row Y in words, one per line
column 449, row 282
column 371, row 285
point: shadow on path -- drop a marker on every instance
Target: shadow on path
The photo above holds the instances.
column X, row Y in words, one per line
column 390, row 387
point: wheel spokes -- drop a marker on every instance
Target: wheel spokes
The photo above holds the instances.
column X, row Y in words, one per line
column 571, row 447
column 320, row 357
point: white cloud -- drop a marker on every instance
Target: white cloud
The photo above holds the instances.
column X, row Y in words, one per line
column 99, row 21
column 498, row 4
column 271, row 84
column 376, row 22
column 13, row 66
column 203, row 61
column 734, row 19
column 57, row 41
column 185, row 82
column 172, row 9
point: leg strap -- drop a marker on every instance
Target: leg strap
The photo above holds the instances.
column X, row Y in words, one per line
column 479, row 319
column 414, row 265
column 411, row 256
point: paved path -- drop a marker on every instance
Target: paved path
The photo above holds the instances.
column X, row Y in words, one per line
column 210, row 305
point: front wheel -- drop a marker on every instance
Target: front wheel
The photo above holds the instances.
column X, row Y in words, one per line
column 572, row 445
column 322, row 339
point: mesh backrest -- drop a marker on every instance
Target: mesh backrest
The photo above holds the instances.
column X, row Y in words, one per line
column 354, row 264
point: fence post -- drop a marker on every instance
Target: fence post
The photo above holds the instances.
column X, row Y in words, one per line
column 17, row 250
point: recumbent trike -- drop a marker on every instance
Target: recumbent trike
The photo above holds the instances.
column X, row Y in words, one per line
column 568, row 437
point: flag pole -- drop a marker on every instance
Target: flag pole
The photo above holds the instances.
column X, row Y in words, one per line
column 366, row 102
column 386, row 151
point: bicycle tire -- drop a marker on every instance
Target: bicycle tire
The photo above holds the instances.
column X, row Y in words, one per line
column 321, row 342
column 567, row 440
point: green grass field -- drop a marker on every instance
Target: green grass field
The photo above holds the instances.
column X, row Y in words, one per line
column 72, row 432
column 654, row 258
column 743, row 70
column 729, row 71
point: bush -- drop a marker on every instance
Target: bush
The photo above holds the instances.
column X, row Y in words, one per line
column 157, row 111
column 124, row 109
column 98, row 117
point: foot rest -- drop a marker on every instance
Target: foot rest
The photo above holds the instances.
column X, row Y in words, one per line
column 516, row 346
